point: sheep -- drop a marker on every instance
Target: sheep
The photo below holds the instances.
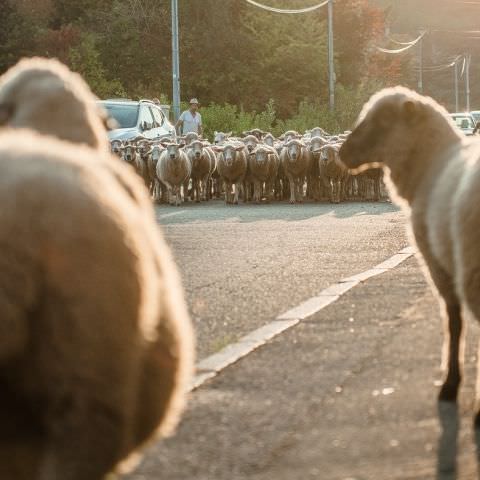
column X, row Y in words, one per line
column 143, row 151
column 116, row 147
column 269, row 140
column 315, row 187
column 152, row 162
column 256, row 132
column 202, row 161
column 263, row 167
column 219, row 138
column 295, row 160
column 290, row 135
column 250, row 141
column 96, row 351
column 46, row 96
column 433, row 171
column 333, row 171
column 189, row 137
column 232, row 168
column 173, row 170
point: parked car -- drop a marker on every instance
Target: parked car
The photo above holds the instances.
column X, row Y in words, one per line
column 465, row 122
column 137, row 118
column 476, row 115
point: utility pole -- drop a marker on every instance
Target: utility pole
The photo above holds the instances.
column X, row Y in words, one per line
column 456, row 85
column 175, row 62
column 420, row 61
column 468, row 59
column 331, row 62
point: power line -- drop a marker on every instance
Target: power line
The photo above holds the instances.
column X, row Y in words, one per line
column 408, row 46
column 283, row 10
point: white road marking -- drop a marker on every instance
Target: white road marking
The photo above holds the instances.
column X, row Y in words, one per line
column 171, row 214
column 209, row 367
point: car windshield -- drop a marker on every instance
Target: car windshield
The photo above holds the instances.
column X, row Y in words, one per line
column 476, row 116
column 125, row 115
column 463, row 121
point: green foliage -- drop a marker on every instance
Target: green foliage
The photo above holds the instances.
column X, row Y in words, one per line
column 84, row 59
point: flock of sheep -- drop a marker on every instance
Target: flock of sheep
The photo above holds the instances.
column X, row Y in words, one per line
column 257, row 167
column 96, row 349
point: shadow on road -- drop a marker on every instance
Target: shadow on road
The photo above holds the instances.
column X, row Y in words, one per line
column 215, row 211
column 448, row 441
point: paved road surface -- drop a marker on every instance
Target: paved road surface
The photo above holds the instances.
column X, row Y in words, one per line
column 347, row 394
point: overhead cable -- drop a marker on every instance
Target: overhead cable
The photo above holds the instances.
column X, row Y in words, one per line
column 408, row 46
column 283, row 10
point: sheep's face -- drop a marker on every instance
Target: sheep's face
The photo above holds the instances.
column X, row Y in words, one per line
column 196, row 148
column 129, row 153
column 385, row 131
column 115, row 147
column 156, row 152
column 173, row 151
column 250, row 142
column 294, row 150
column 230, row 154
column 269, row 140
column 327, row 154
column 316, row 132
column 220, row 137
column 261, row 155
column 316, row 144
column 191, row 137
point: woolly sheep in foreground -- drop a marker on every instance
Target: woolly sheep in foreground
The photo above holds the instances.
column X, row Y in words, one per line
column 96, row 349
column 435, row 170
column 46, row 96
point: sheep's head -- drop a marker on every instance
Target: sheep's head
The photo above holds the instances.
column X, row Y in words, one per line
column 250, row 141
column 317, row 132
column 196, row 150
column 155, row 153
column 229, row 152
column 189, row 137
column 294, row 149
column 116, row 146
column 290, row 135
column 261, row 154
column 129, row 152
column 316, row 143
column 46, row 96
column 394, row 123
column 173, row 150
column 329, row 153
column 269, row 140
column 220, row 137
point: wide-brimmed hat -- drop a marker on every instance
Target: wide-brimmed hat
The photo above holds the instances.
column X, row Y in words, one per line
column 193, row 100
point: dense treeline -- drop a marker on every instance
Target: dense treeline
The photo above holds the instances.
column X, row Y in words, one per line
column 230, row 51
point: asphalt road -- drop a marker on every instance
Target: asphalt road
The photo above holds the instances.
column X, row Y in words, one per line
column 349, row 394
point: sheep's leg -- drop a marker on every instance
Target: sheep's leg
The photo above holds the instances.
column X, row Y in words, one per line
column 257, row 188
column 291, row 182
column 376, row 190
column 237, row 191
column 228, row 192
column 451, row 384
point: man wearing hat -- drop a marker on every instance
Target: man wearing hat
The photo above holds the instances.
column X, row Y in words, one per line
column 190, row 120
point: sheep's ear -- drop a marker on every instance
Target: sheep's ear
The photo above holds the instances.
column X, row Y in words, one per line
column 6, row 113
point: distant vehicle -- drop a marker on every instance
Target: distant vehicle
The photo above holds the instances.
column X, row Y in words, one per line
column 465, row 122
column 141, row 118
column 476, row 115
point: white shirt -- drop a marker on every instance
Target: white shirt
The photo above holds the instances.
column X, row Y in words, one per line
column 190, row 122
